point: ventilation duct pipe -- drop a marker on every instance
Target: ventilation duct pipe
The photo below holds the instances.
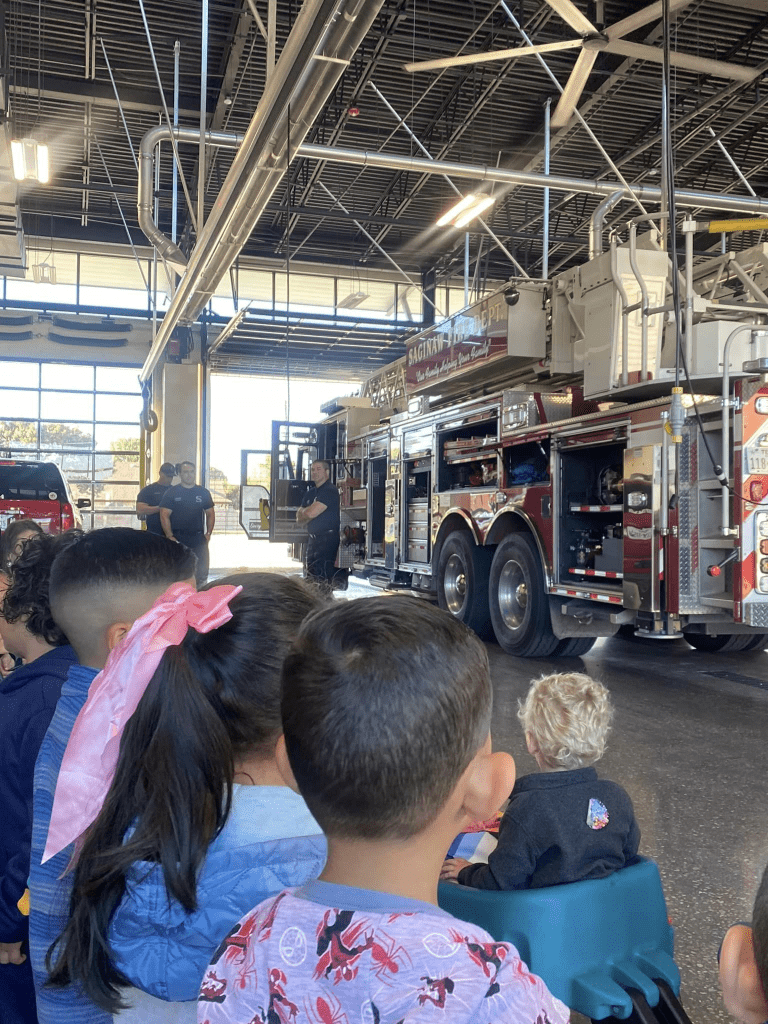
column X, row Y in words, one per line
column 162, row 133
column 324, row 38
column 597, row 222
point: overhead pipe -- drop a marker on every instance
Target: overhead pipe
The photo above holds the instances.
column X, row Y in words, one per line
column 323, row 40
column 150, row 141
column 597, row 222
column 483, row 172
column 391, row 161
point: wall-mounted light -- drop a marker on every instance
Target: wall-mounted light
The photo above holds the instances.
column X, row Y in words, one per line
column 465, row 210
column 30, row 160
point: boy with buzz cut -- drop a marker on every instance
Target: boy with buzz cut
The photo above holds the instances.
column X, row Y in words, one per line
column 98, row 587
column 744, row 963
column 563, row 824
column 386, row 712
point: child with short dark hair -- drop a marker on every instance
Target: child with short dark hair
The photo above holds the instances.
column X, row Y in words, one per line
column 27, row 702
column 98, row 587
column 744, row 963
column 563, row 824
column 386, row 712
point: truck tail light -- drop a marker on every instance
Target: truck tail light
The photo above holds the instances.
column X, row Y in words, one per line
column 756, row 491
column 67, row 517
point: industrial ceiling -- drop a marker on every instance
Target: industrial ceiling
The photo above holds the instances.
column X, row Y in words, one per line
column 81, row 78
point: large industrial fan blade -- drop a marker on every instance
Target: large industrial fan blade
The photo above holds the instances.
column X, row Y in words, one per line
column 570, row 14
column 640, row 18
column 591, row 43
column 702, row 65
column 574, row 87
column 481, row 58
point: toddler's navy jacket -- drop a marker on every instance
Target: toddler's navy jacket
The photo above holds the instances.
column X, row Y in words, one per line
column 559, row 827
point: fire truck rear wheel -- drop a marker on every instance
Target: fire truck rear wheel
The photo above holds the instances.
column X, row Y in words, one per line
column 518, row 602
column 462, row 581
column 723, row 643
column 574, row 646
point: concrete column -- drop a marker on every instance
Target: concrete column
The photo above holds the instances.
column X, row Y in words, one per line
column 177, row 391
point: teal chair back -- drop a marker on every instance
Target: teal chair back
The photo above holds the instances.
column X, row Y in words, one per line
column 590, row 941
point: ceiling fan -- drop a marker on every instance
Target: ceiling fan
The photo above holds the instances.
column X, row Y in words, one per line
column 591, row 43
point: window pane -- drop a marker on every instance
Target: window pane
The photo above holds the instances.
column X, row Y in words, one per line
column 61, row 405
column 114, row 272
column 21, row 404
column 76, row 467
column 100, row 519
column 306, row 292
column 66, row 435
column 106, row 299
column 110, row 434
column 28, row 291
column 67, row 377
column 18, row 434
column 252, row 284
column 118, row 378
column 119, row 407
column 19, row 375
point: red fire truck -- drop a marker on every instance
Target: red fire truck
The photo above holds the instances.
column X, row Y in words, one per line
column 558, row 461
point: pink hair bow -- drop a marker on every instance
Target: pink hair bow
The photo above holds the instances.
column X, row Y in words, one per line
column 88, row 766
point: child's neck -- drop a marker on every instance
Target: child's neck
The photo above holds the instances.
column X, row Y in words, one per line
column 402, row 867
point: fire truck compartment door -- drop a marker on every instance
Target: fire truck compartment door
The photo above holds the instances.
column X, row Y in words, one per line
column 643, row 551
column 391, row 518
column 254, row 493
column 294, row 448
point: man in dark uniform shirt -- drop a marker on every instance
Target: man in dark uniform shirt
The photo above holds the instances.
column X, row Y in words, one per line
column 149, row 497
column 183, row 509
column 320, row 511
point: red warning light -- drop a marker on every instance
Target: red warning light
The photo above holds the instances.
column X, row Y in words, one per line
column 756, row 490
column 713, row 570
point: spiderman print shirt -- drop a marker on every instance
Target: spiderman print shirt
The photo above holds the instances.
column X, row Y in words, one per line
column 331, row 954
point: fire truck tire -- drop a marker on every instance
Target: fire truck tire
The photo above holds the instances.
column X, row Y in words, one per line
column 757, row 643
column 574, row 646
column 462, row 581
column 721, row 643
column 518, row 602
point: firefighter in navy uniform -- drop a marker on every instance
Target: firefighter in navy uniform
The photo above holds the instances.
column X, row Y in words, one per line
column 320, row 511
column 183, row 511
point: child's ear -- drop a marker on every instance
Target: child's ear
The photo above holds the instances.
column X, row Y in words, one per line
column 284, row 765
column 116, row 632
column 489, row 782
column 531, row 744
column 739, row 980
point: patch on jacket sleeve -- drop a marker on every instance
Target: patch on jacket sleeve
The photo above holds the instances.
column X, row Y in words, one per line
column 23, row 904
column 597, row 815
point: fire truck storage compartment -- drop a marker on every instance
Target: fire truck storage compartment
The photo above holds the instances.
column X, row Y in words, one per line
column 377, row 478
column 591, row 494
column 418, row 475
column 526, row 463
column 468, row 455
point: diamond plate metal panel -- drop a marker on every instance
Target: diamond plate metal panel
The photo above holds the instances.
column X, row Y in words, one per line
column 756, row 615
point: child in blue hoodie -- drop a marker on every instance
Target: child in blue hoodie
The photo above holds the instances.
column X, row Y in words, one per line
column 198, row 824
column 27, row 701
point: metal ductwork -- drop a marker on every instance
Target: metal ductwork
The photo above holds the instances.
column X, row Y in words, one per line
column 597, row 222
column 479, row 172
column 150, row 141
column 324, row 38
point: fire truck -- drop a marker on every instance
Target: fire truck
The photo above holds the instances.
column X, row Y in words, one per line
column 564, row 458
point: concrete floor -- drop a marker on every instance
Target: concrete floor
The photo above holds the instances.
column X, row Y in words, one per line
column 688, row 744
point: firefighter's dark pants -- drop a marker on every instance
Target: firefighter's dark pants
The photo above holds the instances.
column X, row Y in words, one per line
column 321, row 555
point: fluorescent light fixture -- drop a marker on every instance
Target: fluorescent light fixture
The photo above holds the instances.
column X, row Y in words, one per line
column 30, row 160
column 43, row 273
column 352, row 300
column 474, row 211
column 463, row 204
column 465, row 210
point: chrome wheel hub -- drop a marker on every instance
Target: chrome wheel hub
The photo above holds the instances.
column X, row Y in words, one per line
column 513, row 594
column 455, row 584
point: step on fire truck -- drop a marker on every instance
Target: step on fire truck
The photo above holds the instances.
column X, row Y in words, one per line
column 559, row 460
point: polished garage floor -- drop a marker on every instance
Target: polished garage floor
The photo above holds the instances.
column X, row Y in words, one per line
column 689, row 745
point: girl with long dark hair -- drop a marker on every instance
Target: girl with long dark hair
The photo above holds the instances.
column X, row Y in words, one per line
column 197, row 825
